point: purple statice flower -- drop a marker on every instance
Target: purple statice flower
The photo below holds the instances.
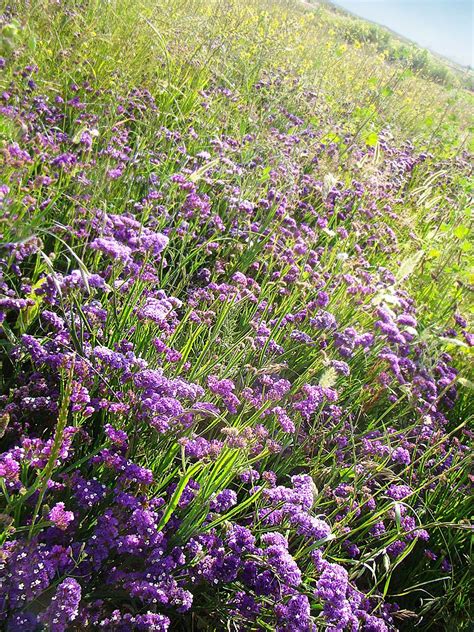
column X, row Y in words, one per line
column 249, row 476
column 365, row 340
column 151, row 622
column 324, row 321
column 446, row 565
column 396, row 548
column 378, row 529
column 245, row 606
column 460, row 320
column 398, row 492
column 161, row 411
column 278, row 389
column 284, row 420
column 295, row 615
column 352, row 549
column 469, row 338
column 64, row 606
column 286, row 424
column 240, row 279
column 322, row 299
column 158, row 310
column 112, row 248
column 372, row 624
column 274, row 538
column 408, row 524
column 401, row 455
column 9, row 469
column 345, row 341
column 431, row 555
column 152, row 242
column 22, row 622
column 116, row 360
column 117, row 437
column 301, row 496
column 134, row 473
column 199, row 447
column 331, row 589
column 240, row 539
column 309, row 526
column 103, row 539
column 59, row 517
column 223, row 501
column 25, row 572
column 148, row 622
column 87, row 492
column 341, row 367
column 224, row 388
column 301, row 336
column 315, row 397
column 114, row 173
column 189, row 493
column 280, row 560
column 53, row 320
column 407, row 319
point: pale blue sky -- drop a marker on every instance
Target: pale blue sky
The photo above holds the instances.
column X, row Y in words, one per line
column 443, row 26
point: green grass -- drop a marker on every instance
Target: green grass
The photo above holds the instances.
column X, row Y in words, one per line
column 348, row 90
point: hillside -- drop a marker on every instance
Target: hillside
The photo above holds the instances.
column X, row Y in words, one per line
column 399, row 49
column 236, row 317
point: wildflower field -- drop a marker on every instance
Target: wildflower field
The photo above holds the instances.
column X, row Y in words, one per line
column 236, row 342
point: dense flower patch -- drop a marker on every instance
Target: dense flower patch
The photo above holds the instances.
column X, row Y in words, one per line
column 218, row 399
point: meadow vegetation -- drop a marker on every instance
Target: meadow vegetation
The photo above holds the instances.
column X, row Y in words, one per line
column 395, row 48
column 236, row 274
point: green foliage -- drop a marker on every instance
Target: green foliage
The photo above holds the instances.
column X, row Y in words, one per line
column 344, row 77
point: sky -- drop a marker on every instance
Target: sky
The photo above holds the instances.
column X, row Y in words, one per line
column 443, row 26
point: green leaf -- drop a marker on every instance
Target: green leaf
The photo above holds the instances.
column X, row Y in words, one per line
column 386, row 91
column 177, row 495
column 28, row 314
column 409, row 264
column 466, row 383
column 372, row 139
column 461, row 231
column 328, row 378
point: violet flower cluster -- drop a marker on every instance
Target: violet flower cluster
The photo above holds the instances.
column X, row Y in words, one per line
column 217, row 401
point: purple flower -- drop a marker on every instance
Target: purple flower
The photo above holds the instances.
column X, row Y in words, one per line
column 158, row 310
column 324, row 320
column 240, row 539
column 341, row 367
column 315, row 397
column 112, row 248
column 309, row 526
column 295, row 615
column 322, row 299
column 398, row 492
column 64, row 606
column 396, row 548
column 401, row 455
column 59, row 517
column 22, row 622
column 113, row 174
column 283, row 564
column 151, row 622
column 223, row 501
column 225, row 389
column 284, row 420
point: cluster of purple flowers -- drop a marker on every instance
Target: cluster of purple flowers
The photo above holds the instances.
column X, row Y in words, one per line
column 162, row 423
